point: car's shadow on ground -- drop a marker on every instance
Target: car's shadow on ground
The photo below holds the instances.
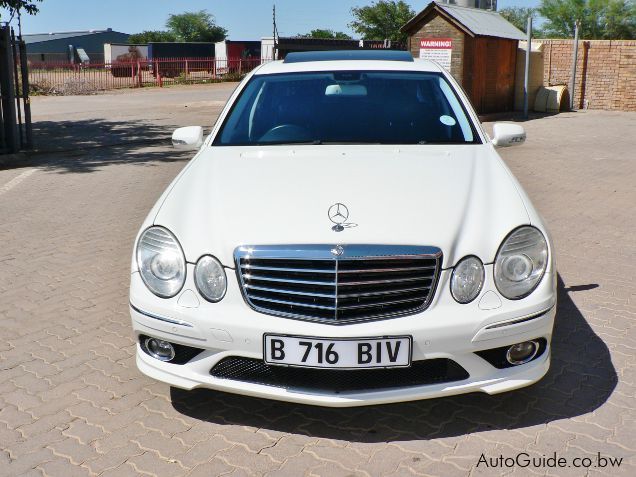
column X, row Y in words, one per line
column 580, row 379
column 81, row 146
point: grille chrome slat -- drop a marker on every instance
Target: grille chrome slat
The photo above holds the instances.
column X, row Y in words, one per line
column 291, row 303
column 294, row 270
column 383, row 282
column 287, row 280
column 384, row 292
column 387, row 270
column 376, row 305
column 290, row 292
column 365, row 282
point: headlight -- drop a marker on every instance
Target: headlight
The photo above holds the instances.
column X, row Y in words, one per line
column 161, row 262
column 210, row 279
column 521, row 262
column 467, row 279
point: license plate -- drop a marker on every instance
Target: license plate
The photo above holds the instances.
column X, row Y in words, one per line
column 385, row 352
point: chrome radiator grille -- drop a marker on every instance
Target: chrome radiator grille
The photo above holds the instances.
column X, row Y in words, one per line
column 338, row 284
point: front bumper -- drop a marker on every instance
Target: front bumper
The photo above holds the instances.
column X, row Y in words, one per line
column 445, row 330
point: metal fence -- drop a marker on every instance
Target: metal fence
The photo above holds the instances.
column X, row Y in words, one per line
column 67, row 78
column 15, row 110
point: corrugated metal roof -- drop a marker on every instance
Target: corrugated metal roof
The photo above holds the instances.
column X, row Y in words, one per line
column 38, row 37
column 483, row 22
column 474, row 20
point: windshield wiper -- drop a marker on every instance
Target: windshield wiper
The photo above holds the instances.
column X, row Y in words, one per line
column 330, row 143
column 282, row 143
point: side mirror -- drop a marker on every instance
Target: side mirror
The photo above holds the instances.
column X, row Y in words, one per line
column 190, row 137
column 508, row 134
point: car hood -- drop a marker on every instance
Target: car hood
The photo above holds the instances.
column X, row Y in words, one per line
column 460, row 198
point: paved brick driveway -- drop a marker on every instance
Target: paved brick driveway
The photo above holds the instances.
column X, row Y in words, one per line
column 73, row 403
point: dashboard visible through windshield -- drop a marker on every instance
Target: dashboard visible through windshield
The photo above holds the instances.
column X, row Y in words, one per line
column 347, row 107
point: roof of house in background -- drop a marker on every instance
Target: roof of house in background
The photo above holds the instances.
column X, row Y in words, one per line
column 475, row 21
column 40, row 37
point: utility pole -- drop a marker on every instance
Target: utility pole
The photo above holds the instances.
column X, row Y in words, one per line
column 527, row 72
column 575, row 55
column 275, row 31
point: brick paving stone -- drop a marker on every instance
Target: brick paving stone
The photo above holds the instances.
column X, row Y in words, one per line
column 45, row 424
column 124, row 470
column 332, row 469
column 113, row 459
column 405, row 471
column 331, row 453
column 22, row 399
column 167, row 448
column 64, row 468
column 76, row 454
column 83, row 432
column 239, row 457
column 203, row 451
column 384, row 461
column 213, row 467
column 37, row 472
column 249, row 438
column 283, row 449
column 148, row 463
column 122, row 422
column 21, row 446
column 27, row 462
column 199, row 432
column 70, row 392
column 302, row 464
column 13, row 417
column 120, row 438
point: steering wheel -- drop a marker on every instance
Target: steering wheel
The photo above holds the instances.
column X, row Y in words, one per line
column 286, row 132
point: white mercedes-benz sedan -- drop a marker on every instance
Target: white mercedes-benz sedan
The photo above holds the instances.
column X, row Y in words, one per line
column 346, row 235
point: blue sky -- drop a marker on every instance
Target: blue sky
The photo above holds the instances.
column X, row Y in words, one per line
column 244, row 19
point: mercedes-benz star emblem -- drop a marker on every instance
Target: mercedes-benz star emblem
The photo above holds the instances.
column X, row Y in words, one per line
column 338, row 214
column 337, row 250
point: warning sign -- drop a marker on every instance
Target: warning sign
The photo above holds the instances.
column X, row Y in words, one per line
column 437, row 49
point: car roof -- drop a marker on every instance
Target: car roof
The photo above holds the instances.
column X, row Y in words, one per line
column 324, row 61
column 344, row 55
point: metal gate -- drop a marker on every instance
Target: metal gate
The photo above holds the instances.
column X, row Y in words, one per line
column 15, row 110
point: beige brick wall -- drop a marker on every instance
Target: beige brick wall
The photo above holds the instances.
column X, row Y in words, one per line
column 605, row 72
column 438, row 27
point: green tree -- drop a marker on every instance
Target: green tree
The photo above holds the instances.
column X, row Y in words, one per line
column 152, row 35
column 518, row 16
column 620, row 20
column 326, row 34
column 600, row 19
column 195, row 26
column 382, row 20
column 15, row 6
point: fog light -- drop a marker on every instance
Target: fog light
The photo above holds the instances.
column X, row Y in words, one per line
column 160, row 349
column 521, row 353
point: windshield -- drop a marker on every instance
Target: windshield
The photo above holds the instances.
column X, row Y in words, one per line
column 347, row 107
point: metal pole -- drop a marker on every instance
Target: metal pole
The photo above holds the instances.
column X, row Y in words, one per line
column 274, row 31
column 575, row 54
column 16, row 79
column 527, row 72
column 25, row 93
column 9, row 113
